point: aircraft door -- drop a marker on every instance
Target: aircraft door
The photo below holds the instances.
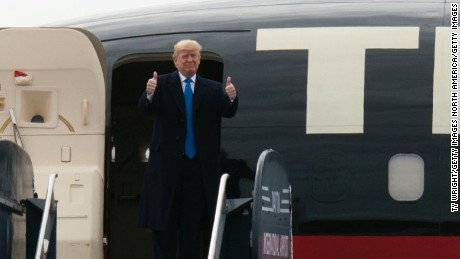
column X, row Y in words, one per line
column 53, row 80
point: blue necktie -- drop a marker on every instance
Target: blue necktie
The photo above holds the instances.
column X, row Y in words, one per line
column 190, row 137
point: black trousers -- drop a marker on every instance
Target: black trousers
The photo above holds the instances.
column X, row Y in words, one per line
column 182, row 237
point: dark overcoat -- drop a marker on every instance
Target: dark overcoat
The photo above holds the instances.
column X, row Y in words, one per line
column 210, row 104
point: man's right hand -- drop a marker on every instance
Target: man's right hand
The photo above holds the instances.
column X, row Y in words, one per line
column 152, row 84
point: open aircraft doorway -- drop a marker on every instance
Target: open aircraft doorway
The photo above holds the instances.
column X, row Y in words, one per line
column 130, row 139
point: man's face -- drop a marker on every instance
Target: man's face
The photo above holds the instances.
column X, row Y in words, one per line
column 187, row 62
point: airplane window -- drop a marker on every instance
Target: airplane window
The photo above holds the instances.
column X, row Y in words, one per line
column 147, row 154
column 406, row 177
column 113, row 153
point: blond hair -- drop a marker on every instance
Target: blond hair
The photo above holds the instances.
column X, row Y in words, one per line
column 182, row 45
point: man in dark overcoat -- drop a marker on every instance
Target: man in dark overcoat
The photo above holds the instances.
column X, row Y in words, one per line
column 181, row 182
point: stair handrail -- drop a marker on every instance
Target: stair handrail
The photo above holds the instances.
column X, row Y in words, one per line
column 50, row 204
column 219, row 220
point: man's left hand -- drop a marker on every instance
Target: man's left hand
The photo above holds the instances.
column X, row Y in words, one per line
column 230, row 89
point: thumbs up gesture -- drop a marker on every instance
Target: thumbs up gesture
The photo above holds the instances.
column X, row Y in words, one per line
column 152, row 83
column 230, row 89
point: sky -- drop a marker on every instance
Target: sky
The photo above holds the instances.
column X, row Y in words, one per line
column 30, row 13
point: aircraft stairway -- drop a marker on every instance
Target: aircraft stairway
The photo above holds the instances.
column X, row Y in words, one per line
column 225, row 207
column 270, row 231
column 27, row 224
